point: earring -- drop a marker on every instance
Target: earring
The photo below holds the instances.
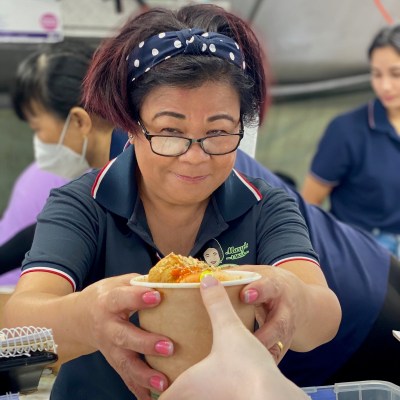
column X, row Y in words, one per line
column 130, row 136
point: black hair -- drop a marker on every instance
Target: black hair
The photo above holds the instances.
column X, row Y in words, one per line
column 386, row 37
column 52, row 77
column 106, row 89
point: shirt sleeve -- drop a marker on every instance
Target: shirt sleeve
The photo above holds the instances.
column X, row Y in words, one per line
column 282, row 232
column 66, row 236
column 333, row 158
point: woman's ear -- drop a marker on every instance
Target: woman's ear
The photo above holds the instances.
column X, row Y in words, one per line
column 82, row 120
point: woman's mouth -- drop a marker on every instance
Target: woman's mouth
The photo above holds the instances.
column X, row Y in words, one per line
column 388, row 99
column 192, row 179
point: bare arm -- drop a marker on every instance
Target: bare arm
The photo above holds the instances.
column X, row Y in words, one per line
column 294, row 307
column 314, row 191
column 97, row 318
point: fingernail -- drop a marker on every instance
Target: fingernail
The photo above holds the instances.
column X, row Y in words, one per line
column 164, row 347
column 157, row 383
column 152, row 297
column 208, row 281
column 250, row 295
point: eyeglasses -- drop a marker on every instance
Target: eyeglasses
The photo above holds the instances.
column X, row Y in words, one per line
column 173, row 146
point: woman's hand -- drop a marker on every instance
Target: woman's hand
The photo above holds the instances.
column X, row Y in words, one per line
column 295, row 309
column 238, row 367
column 96, row 318
column 106, row 307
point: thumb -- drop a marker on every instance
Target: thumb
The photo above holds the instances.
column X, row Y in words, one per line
column 218, row 305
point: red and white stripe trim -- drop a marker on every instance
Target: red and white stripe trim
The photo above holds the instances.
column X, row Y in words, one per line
column 100, row 177
column 251, row 187
column 51, row 271
column 288, row 259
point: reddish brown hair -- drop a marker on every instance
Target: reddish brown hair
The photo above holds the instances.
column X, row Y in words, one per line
column 106, row 89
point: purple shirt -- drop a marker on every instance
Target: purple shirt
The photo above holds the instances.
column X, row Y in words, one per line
column 29, row 195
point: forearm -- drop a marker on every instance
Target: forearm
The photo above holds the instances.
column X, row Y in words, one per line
column 314, row 191
column 319, row 318
column 60, row 313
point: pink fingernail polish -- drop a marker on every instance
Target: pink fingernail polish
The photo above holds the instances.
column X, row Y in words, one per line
column 151, row 297
column 164, row 347
column 157, row 383
column 250, row 295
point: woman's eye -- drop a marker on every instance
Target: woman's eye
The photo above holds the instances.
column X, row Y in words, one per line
column 216, row 132
column 170, row 131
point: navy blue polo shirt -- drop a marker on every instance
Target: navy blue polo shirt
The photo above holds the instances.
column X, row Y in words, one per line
column 356, row 269
column 95, row 227
column 359, row 156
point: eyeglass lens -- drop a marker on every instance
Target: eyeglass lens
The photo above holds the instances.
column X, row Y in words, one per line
column 170, row 145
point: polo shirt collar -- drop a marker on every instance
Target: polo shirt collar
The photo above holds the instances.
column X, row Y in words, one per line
column 115, row 188
column 378, row 120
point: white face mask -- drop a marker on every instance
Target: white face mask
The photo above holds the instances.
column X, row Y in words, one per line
column 60, row 159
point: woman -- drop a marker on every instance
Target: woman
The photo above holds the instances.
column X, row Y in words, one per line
column 358, row 157
column 47, row 94
column 183, row 96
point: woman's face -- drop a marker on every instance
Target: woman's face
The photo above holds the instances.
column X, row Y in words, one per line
column 211, row 257
column 385, row 76
column 191, row 113
column 44, row 124
column 48, row 127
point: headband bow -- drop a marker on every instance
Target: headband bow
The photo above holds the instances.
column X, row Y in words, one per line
column 165, row 45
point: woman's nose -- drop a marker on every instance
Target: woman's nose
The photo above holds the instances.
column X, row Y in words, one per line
column 386, row 83
column 196, row 152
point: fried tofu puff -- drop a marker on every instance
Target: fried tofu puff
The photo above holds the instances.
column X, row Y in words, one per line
column 175, row 268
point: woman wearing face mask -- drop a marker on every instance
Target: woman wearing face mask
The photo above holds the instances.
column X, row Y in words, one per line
column 67, row 143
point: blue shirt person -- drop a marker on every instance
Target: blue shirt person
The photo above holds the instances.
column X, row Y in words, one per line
column 358, row 158
column 366, row 280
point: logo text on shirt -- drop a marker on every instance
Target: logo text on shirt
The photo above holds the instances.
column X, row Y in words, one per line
column 233, row 253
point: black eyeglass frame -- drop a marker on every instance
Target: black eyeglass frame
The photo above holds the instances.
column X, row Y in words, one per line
column 149, row 136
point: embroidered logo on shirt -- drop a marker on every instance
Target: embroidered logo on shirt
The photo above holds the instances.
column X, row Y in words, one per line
column 233, row 253
column 215, row 256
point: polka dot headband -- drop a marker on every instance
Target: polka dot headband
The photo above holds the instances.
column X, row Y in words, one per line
column 165, row 45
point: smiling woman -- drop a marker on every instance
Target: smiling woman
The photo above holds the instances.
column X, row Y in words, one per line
column 182, row 84
column 190, row 179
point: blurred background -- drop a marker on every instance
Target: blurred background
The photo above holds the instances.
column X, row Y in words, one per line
column 316, row 51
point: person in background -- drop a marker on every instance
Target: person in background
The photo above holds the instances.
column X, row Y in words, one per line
column 182, row 84
column 366, row 279
column 221, row 375
column 358, row 158
column 47, row 94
